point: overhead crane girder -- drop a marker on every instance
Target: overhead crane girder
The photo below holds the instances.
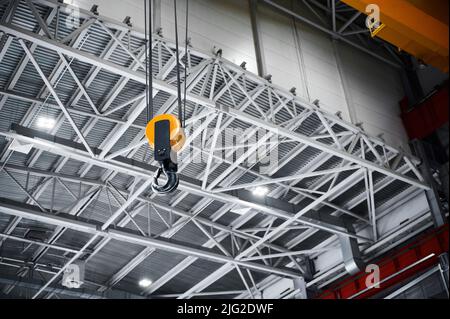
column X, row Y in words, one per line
column 414, row 26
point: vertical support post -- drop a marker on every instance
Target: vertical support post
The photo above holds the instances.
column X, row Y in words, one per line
column 257, row 38
column 372, row 205
column 301, row 58
column 300, row 286
column 344, row 84
column 57, row 23
column 333, row 14
column 443, row 267
column 413, row 87
column 407, row 88
column 157, row 16
column 437, row 211
column 445, row 180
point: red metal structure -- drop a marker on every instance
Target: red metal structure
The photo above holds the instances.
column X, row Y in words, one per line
column 424, row 119
column 395, row 267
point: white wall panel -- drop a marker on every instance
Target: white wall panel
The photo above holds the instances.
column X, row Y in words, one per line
column 118, row 11
column 322, row 71
column 376, row 90
column 224, row 24
column 279, row 48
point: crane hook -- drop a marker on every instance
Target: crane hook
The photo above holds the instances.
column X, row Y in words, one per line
column 171, row 184
column 167, row 137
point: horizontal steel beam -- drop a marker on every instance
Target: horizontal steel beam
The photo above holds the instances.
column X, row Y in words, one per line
column 243, row 198
column 160, row 85
column 67, row 221
column 34, row 284
column 187, row 215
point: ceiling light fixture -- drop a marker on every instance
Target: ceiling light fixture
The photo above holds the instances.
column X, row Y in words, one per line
column 46, row 123
column 240, row 211
column 260, row 191
column 145, row 283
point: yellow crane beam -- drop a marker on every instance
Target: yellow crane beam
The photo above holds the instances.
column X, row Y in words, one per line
column 418, row 27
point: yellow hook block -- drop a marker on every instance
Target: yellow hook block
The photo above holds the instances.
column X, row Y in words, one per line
column 177, row 136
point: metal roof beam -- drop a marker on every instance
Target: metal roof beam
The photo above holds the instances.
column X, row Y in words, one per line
column 268, row 236
column 161, row 85
column 293, row 243
column 55, row 74
column 108, row 50
column 71, row 149
column 30, row 212
column 55, row 96
column 224, row 229
column 35, row 284
column 185, row 263
column 41, row 22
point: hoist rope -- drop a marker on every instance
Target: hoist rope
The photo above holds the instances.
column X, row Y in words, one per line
column 148, row 59
column 177, row 54
column 187, row 61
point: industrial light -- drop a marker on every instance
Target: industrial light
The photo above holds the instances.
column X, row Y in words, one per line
column 46, row 123
column 145, row 283
column 260, row 191
column 240, row 211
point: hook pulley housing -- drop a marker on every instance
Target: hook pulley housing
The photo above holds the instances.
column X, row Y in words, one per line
column 166, row 136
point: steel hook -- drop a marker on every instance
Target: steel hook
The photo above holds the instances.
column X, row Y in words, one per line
column 171, row 184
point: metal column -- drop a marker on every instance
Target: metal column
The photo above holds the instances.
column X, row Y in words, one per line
column 157, row 16
column 257, row 38
column 437, row 211
column 443, row 267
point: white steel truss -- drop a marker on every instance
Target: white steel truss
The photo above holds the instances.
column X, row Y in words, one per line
column 218, row 92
